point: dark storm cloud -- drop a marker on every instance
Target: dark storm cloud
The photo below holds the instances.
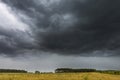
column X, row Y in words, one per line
column 13, row 42
column 73, row 27
column 97, row 28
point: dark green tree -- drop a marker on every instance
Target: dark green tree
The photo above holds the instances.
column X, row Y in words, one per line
column 37, row 72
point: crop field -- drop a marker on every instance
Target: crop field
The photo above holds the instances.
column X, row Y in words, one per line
column 59, row 76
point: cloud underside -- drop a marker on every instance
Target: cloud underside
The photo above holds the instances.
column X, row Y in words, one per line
column 65, row 27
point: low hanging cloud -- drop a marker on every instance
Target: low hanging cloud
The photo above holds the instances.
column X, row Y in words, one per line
column 69, row 27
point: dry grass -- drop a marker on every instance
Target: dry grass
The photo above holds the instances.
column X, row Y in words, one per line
column 60, row 76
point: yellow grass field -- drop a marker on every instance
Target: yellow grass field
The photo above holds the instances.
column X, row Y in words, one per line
column 60, row 76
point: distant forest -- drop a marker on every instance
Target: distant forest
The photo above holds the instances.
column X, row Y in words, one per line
column 70, row 70
column 12, row 71
column 63, row 70
column 67, row 70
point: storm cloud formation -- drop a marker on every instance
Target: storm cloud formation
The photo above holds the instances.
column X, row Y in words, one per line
column 65, row 27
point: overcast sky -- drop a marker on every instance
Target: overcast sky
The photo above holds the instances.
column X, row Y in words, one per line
column 48, row 34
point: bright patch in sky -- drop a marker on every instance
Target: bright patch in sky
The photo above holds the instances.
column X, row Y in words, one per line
column 8, row 19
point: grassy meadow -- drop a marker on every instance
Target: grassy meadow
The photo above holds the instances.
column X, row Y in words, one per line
column 59, row 76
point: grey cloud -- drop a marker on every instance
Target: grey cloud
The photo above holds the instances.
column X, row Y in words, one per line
column 13, row 42
column 99, row 30
column 90, row 25
column 15, row 35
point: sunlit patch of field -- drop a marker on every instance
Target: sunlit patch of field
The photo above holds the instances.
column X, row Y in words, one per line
column 60, row 76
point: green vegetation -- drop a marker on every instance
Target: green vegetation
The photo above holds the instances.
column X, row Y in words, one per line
column 63, row 70
column 37, row 72
column 68, row 70
column 12, row 71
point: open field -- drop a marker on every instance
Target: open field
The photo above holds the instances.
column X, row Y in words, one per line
column 60, row 76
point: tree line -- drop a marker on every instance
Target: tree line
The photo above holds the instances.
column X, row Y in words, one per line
column 70, row 70
column 67, row 70
column 115, row 72
column 63, row 70
column 12, row 71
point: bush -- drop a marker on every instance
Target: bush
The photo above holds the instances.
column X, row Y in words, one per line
column 37, row 72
